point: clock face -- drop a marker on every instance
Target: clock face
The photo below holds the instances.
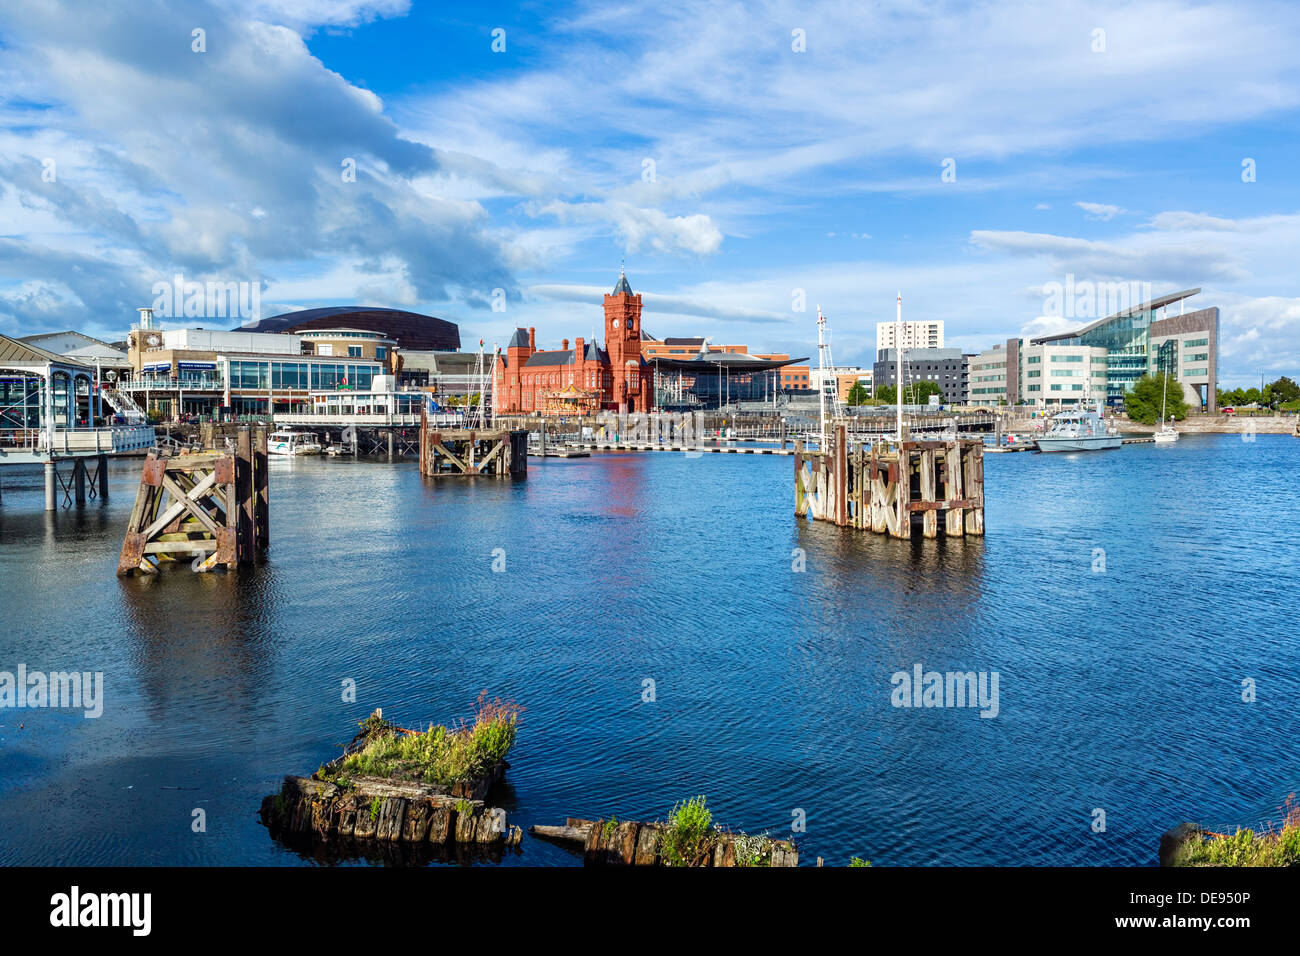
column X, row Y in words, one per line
column 616, row 323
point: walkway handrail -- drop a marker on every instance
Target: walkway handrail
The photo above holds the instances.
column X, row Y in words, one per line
column 107, row 440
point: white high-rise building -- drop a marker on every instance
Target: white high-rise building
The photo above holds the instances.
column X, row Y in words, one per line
column 916, row 335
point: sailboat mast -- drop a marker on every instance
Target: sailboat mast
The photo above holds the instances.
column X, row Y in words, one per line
column 821, row 380
column 1164, row 394
column 898, row 365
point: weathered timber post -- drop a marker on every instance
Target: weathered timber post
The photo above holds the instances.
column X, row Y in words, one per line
column 79, row 481
column 929, row 519
column 800, row 496
column 841, row 475
column 245, row 505
column 902, row 476
column 975, row 488
column 101, row 470
column 261, row 492
column 424, row 440
column 952, row 490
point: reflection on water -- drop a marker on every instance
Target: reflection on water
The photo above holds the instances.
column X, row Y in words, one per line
column 1119, row 690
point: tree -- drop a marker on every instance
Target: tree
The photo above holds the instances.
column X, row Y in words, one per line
column 1144, row 400
column 1234, row 396
column 1281, row 391
column 858, row 394
column 918, row 393
column 915, row 394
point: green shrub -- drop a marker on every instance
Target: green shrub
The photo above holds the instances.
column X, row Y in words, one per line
column 375, row 804
column 689, row 837
column 858, row 861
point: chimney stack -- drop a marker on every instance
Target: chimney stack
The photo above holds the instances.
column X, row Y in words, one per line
column 578, row 351
column 532, row 339
column 566, row 344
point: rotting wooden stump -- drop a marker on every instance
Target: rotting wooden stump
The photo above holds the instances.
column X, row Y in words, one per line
column 384, row 811
column 444, row 452
column 629, row 843
column 895, row 488
column 212, row 507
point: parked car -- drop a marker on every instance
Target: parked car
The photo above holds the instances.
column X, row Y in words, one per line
column 1228, row 410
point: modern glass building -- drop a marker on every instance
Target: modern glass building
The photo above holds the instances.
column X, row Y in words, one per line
column 1148, row 338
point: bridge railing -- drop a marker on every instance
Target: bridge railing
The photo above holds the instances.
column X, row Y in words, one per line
column 113, row 440
column 21, row 439
column 405, row 420
column 204, row 383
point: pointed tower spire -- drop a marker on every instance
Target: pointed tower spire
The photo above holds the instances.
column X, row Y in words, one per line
column 622, row 288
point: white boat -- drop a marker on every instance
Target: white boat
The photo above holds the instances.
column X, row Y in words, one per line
column 289, row 442
column 1082, row 429
column 1167, row 432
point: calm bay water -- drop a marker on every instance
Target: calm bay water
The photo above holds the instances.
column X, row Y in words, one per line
column 1118, row 690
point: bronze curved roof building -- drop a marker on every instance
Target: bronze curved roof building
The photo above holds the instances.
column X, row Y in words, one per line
column 410, row 330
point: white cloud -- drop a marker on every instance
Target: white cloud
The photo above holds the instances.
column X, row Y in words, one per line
column 226, row 164
column 644, row 229
column 1103, row 212
column 307, row 14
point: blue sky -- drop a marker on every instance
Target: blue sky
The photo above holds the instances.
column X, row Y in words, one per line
column 1112, row 156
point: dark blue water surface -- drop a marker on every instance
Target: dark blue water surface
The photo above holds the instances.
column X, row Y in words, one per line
column 1119, row 690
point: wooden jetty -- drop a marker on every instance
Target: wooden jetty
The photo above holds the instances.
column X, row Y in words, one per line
column 888, row 487
column 500, row 453
column 212, row 506
column 629, row 843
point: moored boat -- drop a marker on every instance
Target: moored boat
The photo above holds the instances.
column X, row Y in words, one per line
column 1167, row 432
column 289, row 442
column 1081, row 429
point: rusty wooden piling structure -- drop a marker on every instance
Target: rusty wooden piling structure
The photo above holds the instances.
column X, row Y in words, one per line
column 629, row 843
column 373, row 808
column 501, row 453
column 895, row 488
column 212, row 506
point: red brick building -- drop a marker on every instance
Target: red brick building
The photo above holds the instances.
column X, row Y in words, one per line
column 584, row 379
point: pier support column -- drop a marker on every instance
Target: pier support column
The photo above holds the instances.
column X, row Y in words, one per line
column 102, row 469
column 390, row 444
column 49, row 485
column 79, row 481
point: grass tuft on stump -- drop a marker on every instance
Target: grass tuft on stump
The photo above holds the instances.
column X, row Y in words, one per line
column 440, row 755
column 1271, row 847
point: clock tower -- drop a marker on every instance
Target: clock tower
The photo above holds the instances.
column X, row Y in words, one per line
column 631, row 375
